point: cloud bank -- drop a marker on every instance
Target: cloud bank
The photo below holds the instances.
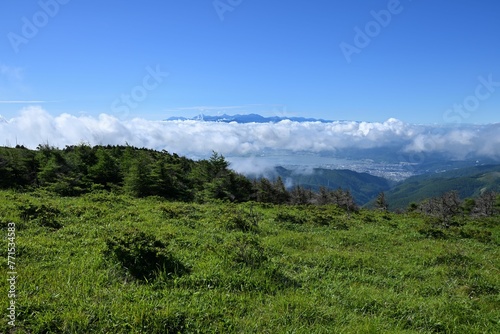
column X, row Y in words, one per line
column 35, row 126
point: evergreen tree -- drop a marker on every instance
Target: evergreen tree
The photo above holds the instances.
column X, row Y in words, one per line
column 344, row 200
column 265, row 191
column 300, row 195
column 137, row 180
column 162, row 180
column 324, row 196
column 381, row 202
column 50, row 171
column 279, row 193
column 106, row 171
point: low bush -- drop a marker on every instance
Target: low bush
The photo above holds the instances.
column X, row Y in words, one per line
column 41, row 214
column 246, row 249
column 142, row 255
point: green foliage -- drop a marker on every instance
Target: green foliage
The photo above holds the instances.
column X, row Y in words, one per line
column 381, row 202
column 245, row 249
column 240, row 220
column 41, row 214
column 433, row 232
column 330, row 216
column 105, row 171
column 475, row 233
column 17, row 167
column 290, row 217
column 137, row 180
column 143, row 256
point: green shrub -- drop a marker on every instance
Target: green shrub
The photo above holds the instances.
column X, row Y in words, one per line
column 474, row 233
column 241, row 221
column 40, row 214
column 328, row 219
column 143, row 256
column 433, row 232
column 246, row 249
column 288, row 217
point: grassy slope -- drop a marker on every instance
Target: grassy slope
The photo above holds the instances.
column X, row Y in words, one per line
column 325, row 273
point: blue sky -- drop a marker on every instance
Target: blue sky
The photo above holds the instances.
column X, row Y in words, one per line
column 429, row 62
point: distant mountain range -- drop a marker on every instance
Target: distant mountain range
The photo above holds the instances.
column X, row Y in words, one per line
column 248, row 118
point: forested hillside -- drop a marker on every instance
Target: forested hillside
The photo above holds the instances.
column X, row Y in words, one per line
column 468, row 182
column 141, row 172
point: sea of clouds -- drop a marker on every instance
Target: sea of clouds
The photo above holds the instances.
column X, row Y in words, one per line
column 34, row 126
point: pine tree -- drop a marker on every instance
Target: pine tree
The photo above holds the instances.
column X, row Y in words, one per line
column 137, row 180
column 279, row 193
column 323, row 197
column 382, row 202
column 106, row 171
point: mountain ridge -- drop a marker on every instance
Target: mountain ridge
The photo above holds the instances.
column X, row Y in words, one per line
column 246, row 118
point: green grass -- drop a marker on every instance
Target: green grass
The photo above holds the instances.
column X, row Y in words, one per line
column 249, row 268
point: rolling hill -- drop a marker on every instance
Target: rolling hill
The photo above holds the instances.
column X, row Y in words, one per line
column 362, row 186
column 469, row 182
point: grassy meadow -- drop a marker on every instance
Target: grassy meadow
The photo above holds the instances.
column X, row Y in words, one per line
column 107, row 263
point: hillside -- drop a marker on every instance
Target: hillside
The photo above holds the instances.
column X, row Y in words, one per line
column 119, row 239
column 108, row 263
column 362, row 186
column 469, row 182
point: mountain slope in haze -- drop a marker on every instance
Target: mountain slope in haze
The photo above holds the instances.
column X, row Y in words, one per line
column 362, row 186
column 469, row 182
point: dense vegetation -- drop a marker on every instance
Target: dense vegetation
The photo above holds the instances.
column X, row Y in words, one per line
column 124, row 240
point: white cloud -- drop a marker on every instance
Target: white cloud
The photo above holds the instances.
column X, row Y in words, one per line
column 34, row 126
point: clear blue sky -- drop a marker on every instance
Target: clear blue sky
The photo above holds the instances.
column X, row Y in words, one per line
column 272, row 57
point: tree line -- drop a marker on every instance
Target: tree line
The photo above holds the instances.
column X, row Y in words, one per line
column 142, row 172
